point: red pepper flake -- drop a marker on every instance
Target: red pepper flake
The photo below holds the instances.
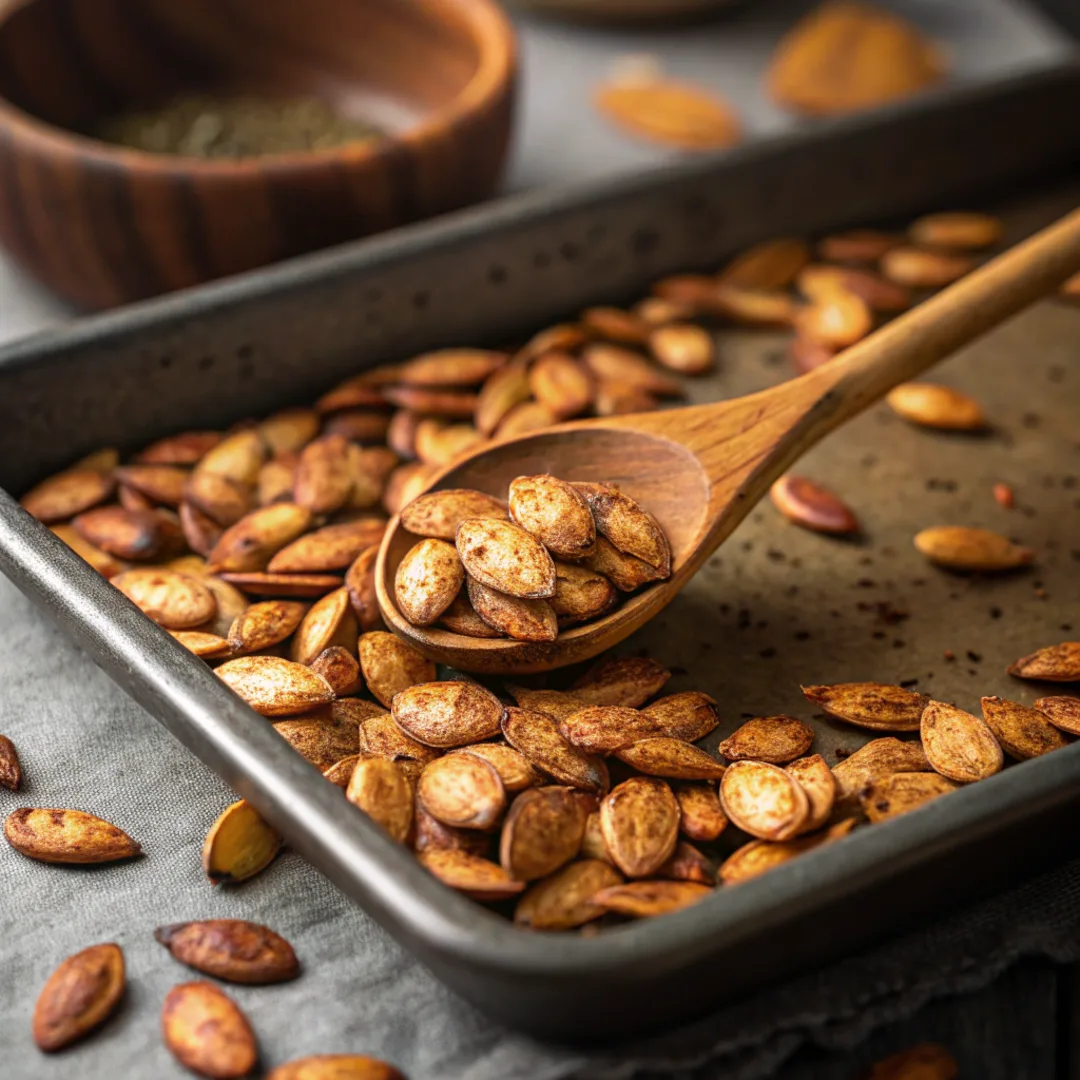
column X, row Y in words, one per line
column 1004, row 496
column 949, row 654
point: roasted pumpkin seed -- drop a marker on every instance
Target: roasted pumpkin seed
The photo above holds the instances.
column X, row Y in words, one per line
column 446, row 714
column 67, row 494
column 816, row 779
column 335, row 1067
column 639, row 821
column 390, row 665
column 672, row 758
column 10, row 769
column 877, row 706
column 231, row 949
column 67, row 836
column 339, row 668
column 959, row 745
column 513, row 767
column 1055, row 663
column 764, row 800
column 275, row 687
column 463, row 791
column 380, row 788
column 254, row 540
column 543, row 830
column 701, row 816
column 175, row 601
column 563, row 901
column 239, row 845
column 536, row 735
column 775, row 739
column 205, row 1030
column 628, row 680
column 1023, row 732
column 1062, row 711
column 898, row 794
column 580, row 594
column 468, row 873
column 80, row 995
column 439, row 513
column 604, row 729
column 264, row 625
column 504, row 556
column 555, row 512
column 874, row 761
column 814, row 507
column 631, row 528
column 561, row 384
column 428, row 578
column 647, row 899
column 956, row 547
column 524, row 620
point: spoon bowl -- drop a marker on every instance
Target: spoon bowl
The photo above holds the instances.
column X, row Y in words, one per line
column 700, row 470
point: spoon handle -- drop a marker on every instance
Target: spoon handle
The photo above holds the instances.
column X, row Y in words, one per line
column 937, row 328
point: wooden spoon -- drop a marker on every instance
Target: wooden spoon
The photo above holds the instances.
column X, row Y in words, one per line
column 701, row 470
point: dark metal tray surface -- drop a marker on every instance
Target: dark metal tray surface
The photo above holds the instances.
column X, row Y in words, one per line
column 249, row 345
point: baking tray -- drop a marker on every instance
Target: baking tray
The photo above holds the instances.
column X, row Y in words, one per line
column 249, row 345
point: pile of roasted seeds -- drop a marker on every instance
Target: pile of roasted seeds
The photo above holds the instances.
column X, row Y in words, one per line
column 557, row 554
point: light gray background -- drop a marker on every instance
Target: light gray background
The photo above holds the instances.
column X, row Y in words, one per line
column 85, row 744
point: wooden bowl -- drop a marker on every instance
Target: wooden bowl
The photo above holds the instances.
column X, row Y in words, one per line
column 102, row 225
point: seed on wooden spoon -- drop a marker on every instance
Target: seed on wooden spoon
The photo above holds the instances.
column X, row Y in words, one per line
column 555, row 512
column 506, row 557
column 427, row 580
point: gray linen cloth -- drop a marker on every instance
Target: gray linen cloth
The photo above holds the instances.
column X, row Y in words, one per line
column 84, row 744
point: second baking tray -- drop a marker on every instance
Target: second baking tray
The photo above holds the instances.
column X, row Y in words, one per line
column 247, row 346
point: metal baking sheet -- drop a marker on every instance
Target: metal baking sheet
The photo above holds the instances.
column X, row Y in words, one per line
column 757, row 621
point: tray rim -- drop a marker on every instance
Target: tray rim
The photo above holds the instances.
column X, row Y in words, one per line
column 193, row 704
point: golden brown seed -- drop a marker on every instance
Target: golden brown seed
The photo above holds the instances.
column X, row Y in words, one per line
column 593, row 844
column 427, row 442
column 775, row 739
column 844, row 57
column 806, row 355
column 604, row 729
column 561, row 384
column 690, row 715
column 506, row 389
column 639, row 821
column 543, row 830
column 564, row 900
column 702, row 817
column 683, row 347
column 339, row 668
column 273, row 686
column 630, row 370
column 207, row 646
column 289, row 430
column 201, row 532
column 656, row 311
column 934, row 406
column 558, row 704
column 238, row 456
column 754, row 859
column 927, row 1061
column 439, row 513
column 512, row 766
column 874, row 761
column 897, row 794
column 555, row 513
column 340, row 773
column 63, row 496
column 446, row 714
column 536, row 735
column 1055, row 663
column 755, row 308
column 816, row 779
column 764, row 800
column 1023, row 732
column 917, row 268
column 563, row 337
column 335, row 1067
column 614, row 324
column 625, row 680
column 253, row 541
column 206, row 1032
column 673, row 758
column 381, row 789
column 613, row 399
column 580, row 594
column 360, row 583
column 10, row 769
column 431, row 834
column 222, row 500
column 101, row 561
column 185, row 449
column 679, row 114
column 462, row 791
column 175, row 601
column 695, row 292
column 239, row 845
column 625, row 572
column 461, row 618
column 162, row 484
column 334, row 547
column 140, row 535
column 631, row 528
column 688, row 864
column 263, row 625
column 836, row 320
column 67, row 836
column 401, row 433
column 468, row 873
column 307, row 586
column 457, row 405
column 324, row 478
column 877, row 706
column 428, row 578
column 647, row 899
column 506, row 557
column 321, row 738
column 130, row 499
column 525, row 620
column 451, row 367
column 524, row 419
column 79, row 996
column 814, row 507
column 955, row 229
column 1062, row 711
column 231, row 949
column 231, row 602
column 370, row 468
column 391, row 665
column 822, row 282
column 380, row 736
column 857, row 246
column 957, row 547
column 772, row 264
column 959, row 745
column 361, row 391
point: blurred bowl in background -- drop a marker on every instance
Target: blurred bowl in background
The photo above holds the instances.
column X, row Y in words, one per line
column 623, row 10
column 102, row 225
